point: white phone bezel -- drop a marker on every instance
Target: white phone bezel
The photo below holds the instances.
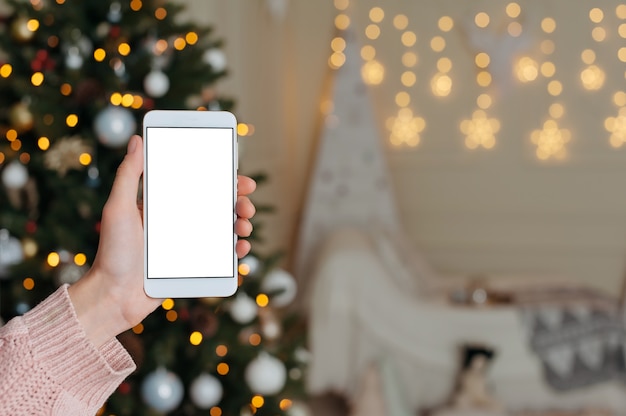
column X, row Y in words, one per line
column 190, row 287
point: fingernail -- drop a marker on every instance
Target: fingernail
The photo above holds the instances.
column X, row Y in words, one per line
column 132, row 144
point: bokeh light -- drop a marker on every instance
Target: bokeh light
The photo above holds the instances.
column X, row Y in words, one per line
column 526, row 69
column 548, row 25
column 373, row 72
column 400, row 22
column 550, row 141
column 441, row 85
column 445, row 23
column 481, row 19
column 405, row 128
column 592, row 77
column 480, row 130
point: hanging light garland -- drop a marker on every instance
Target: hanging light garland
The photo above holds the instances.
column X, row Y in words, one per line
column 502, row 52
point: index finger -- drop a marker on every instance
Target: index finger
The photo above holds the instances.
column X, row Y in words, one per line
column 245, row 185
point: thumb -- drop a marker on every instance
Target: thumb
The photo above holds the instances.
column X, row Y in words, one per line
column 128, row 173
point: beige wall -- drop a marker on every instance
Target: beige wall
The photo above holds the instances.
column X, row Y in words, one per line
column 484, row 211
column 277, row 72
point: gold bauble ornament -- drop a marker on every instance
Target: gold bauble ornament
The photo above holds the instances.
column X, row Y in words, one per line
column 21, row 118
column 64, row 155
column 30, row 247
column 20, row 30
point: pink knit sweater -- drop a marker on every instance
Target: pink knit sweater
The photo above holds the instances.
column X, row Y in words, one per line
column 49, row 367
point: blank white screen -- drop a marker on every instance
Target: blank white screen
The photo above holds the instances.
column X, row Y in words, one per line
column 189, row 201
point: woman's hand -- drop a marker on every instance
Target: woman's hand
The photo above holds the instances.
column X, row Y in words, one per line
column 110, row 298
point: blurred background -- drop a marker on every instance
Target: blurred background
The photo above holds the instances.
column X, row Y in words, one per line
column 445, row 187
column 505, row 205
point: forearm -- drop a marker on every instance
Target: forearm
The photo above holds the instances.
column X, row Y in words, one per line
column 49, row 366
column 97, row 313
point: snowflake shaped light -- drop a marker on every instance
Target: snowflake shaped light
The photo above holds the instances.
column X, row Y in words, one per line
column 480, row 130
column 617, row 127
column 405, row 128
column 550, row 140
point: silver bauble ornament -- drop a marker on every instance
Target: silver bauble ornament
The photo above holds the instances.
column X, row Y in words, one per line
column 73, row 58
column 265, row 375
column 11, row 252
column 162, row 390
column 283, row 284
column 206, row 391
column 243, row 309
column 114, row 126
column 21, row 308
column 156, row 83
column 115, row 12
column 216, row 58
column 14, row 175
column 302, row 355
column 271, row 329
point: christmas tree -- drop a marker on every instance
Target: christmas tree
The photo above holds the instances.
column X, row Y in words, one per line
column 76, row 77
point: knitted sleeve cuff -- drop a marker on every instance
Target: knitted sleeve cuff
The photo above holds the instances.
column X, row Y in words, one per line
column 60, row 344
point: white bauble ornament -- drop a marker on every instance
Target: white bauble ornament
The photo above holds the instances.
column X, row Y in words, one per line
column 21, row 308
column 162, row 390
column 64, row 255
column 299, row 409
column 84, row 45
column 272, row 330
column 115, row 12
column 14, row 175
column 11, row 252
column 302, row 355
column 114, row 126
column 283, row 284
column 295, row 373
column 216, row 58
column 270, row 326
column 206, row 391
column 252, row 262
column 265, row 374
column 103, row 29
column 73, row 58
column 243, row 309
column 156, row 83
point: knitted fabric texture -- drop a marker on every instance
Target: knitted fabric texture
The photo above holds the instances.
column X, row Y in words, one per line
column 49, row 367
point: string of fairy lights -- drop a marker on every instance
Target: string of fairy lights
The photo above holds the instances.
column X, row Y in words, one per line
column 550, row 139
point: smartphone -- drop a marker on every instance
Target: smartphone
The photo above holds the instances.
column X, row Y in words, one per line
column 189, row 196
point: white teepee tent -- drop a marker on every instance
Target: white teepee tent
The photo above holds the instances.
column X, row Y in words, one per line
column 350, row 184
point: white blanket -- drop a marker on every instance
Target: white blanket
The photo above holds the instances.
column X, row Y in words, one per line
column 363, row 309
